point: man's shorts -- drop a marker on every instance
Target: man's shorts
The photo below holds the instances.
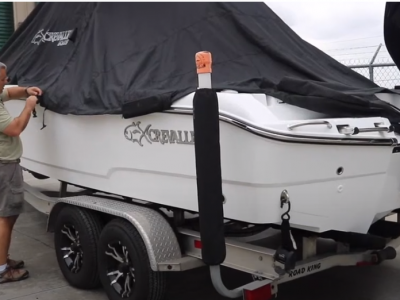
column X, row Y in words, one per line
column 11, row 189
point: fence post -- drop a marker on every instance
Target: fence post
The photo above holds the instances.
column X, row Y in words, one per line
column 371, row 67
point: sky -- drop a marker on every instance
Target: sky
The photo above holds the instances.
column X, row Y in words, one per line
column 349, row 31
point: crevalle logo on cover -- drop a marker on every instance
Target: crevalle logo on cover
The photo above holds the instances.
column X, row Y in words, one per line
column 61, row 37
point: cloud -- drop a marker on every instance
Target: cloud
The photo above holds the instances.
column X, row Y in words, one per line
column 326, row 22
column 348, row 31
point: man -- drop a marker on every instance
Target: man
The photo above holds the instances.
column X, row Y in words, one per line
column 11, row 178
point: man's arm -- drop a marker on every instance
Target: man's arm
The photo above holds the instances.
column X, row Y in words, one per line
column 17, row 125
column 18, row 92
column 14, row 126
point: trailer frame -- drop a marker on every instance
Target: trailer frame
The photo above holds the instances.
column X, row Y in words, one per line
column 178, row 249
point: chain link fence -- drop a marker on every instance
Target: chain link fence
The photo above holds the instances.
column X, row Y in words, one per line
column 382, row 71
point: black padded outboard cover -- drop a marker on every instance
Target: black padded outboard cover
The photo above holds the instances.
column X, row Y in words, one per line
column 209, row 176
column 138, row 58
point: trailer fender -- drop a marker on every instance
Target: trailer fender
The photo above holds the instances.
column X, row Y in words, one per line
column 159, row 237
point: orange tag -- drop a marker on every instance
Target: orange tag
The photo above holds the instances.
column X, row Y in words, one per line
column 203, row 62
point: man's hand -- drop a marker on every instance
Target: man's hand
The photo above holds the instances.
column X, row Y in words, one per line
column 34, row 91
column 31, row 102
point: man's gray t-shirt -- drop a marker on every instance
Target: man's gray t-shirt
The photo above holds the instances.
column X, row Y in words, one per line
column 10, row 147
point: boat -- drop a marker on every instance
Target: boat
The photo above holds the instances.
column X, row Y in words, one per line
column 116, row 115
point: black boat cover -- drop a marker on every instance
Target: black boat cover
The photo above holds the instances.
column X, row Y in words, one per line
column 138, row 58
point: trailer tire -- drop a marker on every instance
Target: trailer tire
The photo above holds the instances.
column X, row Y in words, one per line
column 85, row 227
column 128, row 246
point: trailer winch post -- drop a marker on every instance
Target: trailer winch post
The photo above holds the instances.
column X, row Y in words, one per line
column 209, row 183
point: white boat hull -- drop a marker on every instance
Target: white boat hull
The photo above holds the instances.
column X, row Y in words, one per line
column 97, row 152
